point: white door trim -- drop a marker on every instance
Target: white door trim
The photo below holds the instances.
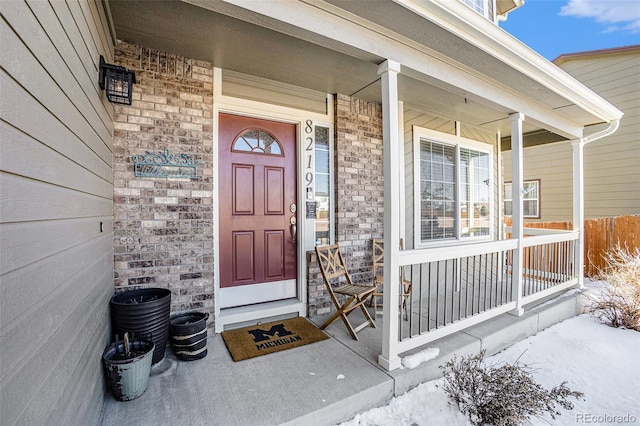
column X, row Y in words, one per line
column 264, row 292
column 254, row 109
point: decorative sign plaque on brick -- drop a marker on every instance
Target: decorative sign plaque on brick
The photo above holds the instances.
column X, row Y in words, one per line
column 164, row 164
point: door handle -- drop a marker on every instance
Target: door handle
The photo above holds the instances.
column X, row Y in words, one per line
column 293, row 228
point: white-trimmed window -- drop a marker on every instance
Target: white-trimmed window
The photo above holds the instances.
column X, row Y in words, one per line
column 480, row 6
column 323, row 153
column 453, row 180
column 531, row 199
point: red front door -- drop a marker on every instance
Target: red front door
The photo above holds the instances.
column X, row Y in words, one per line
column 257, row 178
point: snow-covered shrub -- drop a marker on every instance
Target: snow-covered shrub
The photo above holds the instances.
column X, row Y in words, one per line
column 618, row 305
column 501, row 396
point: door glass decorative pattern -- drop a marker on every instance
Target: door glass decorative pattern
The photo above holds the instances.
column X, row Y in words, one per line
column 257, row 142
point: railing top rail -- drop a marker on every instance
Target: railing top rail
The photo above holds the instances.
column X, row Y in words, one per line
column 541, row 231
column 535, row 240
column 435, row 254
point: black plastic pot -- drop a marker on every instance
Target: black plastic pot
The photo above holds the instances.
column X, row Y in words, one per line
column 189, row 335
column 145, row 313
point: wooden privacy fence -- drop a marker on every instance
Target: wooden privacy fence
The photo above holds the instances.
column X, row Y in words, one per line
column 601, row 235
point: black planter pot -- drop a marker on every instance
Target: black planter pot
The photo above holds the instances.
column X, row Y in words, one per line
column 189, row 335
column 145, row 313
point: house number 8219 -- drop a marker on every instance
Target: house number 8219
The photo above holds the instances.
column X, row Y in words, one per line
column 308, row 153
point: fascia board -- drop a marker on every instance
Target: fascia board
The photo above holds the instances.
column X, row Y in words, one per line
column 496, row 96
column 336, row 24
column 477, row 30
column 560, row 60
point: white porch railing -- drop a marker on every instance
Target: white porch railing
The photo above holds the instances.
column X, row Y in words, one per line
column 456, row 287
column 549, row 262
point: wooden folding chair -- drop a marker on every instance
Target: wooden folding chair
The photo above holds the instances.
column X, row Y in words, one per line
column 378, row 278
column 333, row 270
column 378, row 275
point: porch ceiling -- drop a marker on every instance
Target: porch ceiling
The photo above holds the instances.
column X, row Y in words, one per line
column 251, row 48
column 235, row 38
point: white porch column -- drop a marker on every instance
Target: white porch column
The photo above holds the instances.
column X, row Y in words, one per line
column 578, row 207
column 391, row 141
column 517, row 188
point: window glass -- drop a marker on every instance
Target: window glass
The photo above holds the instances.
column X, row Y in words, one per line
column 455, row 189
column 322, row 185
column 241, row 144
column 322, row 161
column 322, row 137
column 474, row 184
column 269, row 144
column 530, row 208
column 258, row 142
column 507, row 192
column 477, row 5
column 437, row 190
column 251, row 138
column 323, row 194
column 531, row 199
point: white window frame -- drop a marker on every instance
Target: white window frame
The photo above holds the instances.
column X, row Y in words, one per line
column 420, row 133
column 332, row 198
column 473, row 5
column 538, row 199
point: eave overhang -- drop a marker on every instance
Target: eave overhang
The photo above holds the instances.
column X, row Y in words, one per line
column 418, row 58
column 454, row 62
column 588, row 54
column 505, row 6
column 498, row 43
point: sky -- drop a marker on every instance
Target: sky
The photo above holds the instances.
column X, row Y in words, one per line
column 555, row 27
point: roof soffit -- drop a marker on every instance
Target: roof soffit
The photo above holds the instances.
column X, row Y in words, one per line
column 358, row 40
column 495, row 41
column 506, row 6
column 240, row 45
column 485, row 47
column 323, row 19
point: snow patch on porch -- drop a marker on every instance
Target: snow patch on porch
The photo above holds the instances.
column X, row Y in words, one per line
column 412, row 361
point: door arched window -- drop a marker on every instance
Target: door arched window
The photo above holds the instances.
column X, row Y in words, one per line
column 258, row 142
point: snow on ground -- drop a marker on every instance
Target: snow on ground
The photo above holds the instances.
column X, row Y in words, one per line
column 600, row 361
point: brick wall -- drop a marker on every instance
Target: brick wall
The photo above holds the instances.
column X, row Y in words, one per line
column 359, row 195
column 359, row 182
column 318, row 300
column 163, row 228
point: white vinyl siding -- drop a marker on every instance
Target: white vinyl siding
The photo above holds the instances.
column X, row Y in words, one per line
column 56, row 180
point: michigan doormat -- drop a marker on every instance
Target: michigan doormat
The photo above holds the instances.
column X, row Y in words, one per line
column 262, row 339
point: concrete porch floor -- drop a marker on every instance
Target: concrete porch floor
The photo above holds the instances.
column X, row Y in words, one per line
column 319, row 384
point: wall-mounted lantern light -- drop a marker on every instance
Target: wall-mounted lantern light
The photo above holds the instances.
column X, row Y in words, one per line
column 117, row 82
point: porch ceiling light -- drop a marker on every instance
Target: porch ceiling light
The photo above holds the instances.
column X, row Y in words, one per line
column 117, row 82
